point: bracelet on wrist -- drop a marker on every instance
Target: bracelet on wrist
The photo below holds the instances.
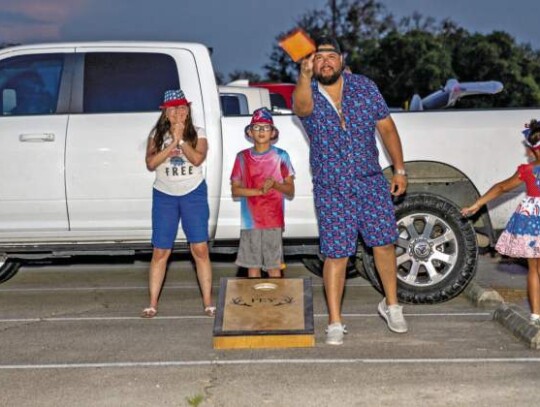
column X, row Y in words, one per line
column 400, row 171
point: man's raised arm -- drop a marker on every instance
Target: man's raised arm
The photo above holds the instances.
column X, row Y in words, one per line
column 302, row 95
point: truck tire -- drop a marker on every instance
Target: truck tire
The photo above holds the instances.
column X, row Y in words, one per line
column 436, row 251
column 8, row 268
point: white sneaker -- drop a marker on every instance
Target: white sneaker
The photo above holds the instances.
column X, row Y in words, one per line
column 534, row 321
column 393, row 315
column 334, row 333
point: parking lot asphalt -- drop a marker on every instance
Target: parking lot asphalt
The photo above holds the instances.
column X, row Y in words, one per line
column 71, row 335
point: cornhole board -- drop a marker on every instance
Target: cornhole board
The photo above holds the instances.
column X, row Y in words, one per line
column 264, row 313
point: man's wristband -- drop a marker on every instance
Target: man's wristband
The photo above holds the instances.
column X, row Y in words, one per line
column 400, row 171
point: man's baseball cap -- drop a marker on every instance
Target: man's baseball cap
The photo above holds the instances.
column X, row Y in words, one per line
column 327, row 44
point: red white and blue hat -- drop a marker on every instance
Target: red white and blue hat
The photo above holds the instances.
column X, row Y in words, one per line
column 264, row 116
column 527, row 133
column 174, row 97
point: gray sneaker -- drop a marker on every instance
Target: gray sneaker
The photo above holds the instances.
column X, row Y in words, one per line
column 334, row 333
column 535, row 322
column 393, row 315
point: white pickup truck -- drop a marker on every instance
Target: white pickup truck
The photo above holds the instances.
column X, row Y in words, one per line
column 74, row 122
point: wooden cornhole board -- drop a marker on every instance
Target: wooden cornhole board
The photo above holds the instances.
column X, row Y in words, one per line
column 264, row 313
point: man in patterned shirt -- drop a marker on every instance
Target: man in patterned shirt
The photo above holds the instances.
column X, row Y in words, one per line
column 340, row 113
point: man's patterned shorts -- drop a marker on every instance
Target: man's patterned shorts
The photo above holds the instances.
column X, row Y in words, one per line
column 365, row 208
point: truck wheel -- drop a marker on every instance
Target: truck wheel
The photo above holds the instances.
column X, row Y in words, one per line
column 436, row 251
column 355, row 267
column 8, row 268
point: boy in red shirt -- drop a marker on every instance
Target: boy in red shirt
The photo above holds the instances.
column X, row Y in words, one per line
column 261, row 177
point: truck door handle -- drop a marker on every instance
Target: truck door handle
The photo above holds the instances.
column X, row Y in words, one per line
column 36, row 137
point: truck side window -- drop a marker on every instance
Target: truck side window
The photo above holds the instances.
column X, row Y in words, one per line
column 233, row 104
column 127, row 82
column 278, row 100
column 29, row 85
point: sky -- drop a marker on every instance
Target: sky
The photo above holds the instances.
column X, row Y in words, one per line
column 240, row 32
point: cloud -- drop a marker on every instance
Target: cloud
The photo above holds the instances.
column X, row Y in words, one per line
column 35, row 20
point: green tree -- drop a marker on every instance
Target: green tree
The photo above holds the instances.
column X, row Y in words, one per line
column 496, row 56
column 418, row 55
column 220, row 78
column 404, row 64
column 357, row 24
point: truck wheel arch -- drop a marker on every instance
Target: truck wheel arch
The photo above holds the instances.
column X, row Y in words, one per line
column 444, row 180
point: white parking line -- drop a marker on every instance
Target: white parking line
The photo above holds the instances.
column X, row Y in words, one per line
column 267, row 362
column 184, row 317
column 433, row 314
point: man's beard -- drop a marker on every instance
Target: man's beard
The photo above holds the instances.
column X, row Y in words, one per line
column 328, row 80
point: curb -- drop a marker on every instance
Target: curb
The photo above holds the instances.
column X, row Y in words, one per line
column 516, row 320
column 482, row 297
column 510, row 316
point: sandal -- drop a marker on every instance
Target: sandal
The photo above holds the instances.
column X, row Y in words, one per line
column 149, row 312
column 210, row 311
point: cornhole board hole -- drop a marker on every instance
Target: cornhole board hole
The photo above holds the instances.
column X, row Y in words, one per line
column 264, row 313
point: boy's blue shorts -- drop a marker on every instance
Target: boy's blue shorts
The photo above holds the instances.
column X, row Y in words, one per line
column 167, row 211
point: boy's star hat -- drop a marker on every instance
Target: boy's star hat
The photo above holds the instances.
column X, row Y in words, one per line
column 174, row 97
column 262, row 116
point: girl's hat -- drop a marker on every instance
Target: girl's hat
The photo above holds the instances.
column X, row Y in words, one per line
column 263, row 116
column 527, row 133
column 174, row 97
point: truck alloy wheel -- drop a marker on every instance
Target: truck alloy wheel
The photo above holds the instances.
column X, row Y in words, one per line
column 436, row 250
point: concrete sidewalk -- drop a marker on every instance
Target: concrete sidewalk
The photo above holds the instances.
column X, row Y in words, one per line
column 501, row 284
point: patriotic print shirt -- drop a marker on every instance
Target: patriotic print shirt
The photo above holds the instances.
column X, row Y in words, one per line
column 340, row 156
